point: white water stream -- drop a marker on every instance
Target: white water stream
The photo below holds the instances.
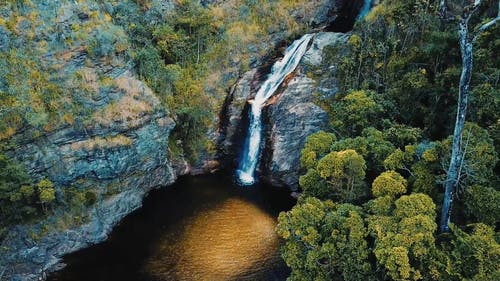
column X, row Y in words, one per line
column 282, row 68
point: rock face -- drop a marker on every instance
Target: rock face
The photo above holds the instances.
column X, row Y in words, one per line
column 292, row 118
column 117, row 152
column 291, row 114
column 119, row 158
column 232, row 132
column 337, row 15
column 294, row 115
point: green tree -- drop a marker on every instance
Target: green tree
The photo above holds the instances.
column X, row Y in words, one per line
column 371, row 145
column 338, row 175
column 354, row 112
column 481, row 204
column 389, row 183
column 46, row 192
column 325, row 241
column 474, row 256
column 317, row 145
column 404, row 236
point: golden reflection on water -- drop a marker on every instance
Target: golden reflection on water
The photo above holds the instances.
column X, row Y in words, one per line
column 235, row 240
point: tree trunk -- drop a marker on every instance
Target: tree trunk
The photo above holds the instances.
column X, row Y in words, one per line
column 453, row 174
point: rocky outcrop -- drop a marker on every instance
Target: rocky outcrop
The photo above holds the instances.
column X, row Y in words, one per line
column 292, row 118
column 113, row 144
column 118, row 150
column 337, row 15
column 232, row 131
column 294, row 115
column 291, row 115
column 119, row 158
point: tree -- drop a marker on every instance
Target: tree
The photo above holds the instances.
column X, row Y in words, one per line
column 14, row 187
column 46, row 192
column 474, row 256
column 317, row 145
column 354, row 112
column 372, row 145
column 466, row 40
column 325, row 241
column 481, row 203
column 389, row 183
column 404, row 234
column 344, row 172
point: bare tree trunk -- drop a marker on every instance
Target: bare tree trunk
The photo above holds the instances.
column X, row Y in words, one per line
column 443, row 9
column 453, row 174
column 466, row 41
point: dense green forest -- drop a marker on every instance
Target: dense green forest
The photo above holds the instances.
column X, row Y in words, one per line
column 373, row 185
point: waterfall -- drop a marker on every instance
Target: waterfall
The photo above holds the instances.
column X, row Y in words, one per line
column 365, row 9
column 280, row 70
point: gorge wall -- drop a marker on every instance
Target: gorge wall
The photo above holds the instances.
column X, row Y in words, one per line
column 115, row 143
column 290, row 115
column 114, row 146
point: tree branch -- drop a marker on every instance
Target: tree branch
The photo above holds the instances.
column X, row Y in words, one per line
column 485, row 26
column 443, row 9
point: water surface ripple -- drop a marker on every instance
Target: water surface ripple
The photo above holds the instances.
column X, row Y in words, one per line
column 202, row 228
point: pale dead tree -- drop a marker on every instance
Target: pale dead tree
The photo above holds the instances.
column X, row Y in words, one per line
column 467, row 38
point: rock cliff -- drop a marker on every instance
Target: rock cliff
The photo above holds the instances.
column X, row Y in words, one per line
column 112, row 134
column 114, row 145
column 291, row 115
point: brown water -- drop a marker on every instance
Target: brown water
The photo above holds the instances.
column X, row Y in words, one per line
column 201, row 228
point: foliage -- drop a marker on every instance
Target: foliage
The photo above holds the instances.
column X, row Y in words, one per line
column 324, row 241
column 16, row 192
column 481, row 204
column 337, row 175
column 389, row 183
column 372, row 145
column 20, row 198
column 194, row 53
column 395, row 109
column 474, row 256
column 317, row 146
column 354, row 112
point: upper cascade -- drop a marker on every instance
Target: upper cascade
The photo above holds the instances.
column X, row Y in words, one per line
column 365, row 9
column 282, row 68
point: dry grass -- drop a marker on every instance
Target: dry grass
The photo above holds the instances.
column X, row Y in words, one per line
column 137, row 101
column 102, row 143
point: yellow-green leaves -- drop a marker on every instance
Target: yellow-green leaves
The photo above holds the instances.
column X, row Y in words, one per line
column 325, row 241
column 354, row 112
column 404, row 232
column 317, row 145
column 389, row 183
column 46, row 191
column 344, row 173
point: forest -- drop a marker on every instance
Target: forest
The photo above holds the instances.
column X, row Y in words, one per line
column 404, row 184
column 373, row 186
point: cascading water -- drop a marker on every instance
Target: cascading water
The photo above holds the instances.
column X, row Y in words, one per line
column 365, row 9
column 280, row 70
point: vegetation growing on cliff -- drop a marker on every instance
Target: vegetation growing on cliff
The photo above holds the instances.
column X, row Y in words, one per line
column 62, row 66
column 395, row 110
column 194, row 53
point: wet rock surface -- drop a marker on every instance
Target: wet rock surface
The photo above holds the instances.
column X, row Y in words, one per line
column 290, row 115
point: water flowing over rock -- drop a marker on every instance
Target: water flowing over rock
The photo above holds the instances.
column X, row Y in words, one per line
column 291, row 114
column 295, row 115
column 292, row 119
column 280, row 70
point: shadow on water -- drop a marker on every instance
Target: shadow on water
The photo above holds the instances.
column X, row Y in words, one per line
column 201, row 228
